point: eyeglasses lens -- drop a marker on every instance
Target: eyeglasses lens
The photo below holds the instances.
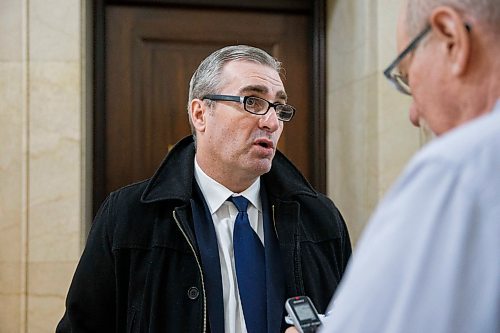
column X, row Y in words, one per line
column 256, row 105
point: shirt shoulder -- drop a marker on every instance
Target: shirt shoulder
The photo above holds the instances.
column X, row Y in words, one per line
column 470, row 153
column 463, row 144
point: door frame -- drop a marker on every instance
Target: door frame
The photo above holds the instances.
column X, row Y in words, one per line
column 316, row 9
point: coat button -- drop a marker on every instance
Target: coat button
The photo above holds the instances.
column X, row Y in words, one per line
column 193, row 293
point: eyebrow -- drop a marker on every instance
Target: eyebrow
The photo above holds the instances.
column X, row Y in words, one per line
column 263, row 90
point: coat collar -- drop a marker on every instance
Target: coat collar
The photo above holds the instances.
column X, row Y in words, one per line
column 174, row 178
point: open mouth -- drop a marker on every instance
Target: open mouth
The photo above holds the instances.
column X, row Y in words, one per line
column 264, row 143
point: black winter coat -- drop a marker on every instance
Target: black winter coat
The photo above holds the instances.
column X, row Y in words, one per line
column 140, row 270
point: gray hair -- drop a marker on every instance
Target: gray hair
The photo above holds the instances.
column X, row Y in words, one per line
column 485, row 11
column 207, row 78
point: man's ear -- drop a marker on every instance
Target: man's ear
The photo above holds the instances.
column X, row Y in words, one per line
column 198, row 114
column 450, row 28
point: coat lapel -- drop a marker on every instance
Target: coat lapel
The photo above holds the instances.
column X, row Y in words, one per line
column 274, row 272
column 207, row 243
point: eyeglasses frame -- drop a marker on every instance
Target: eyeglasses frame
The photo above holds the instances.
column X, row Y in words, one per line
column 413, row 44
column 243, row 99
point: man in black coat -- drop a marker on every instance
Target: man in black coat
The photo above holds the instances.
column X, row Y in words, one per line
column 161, row 255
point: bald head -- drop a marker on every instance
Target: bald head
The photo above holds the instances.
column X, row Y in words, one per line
column 487, row 12
column 454, row 71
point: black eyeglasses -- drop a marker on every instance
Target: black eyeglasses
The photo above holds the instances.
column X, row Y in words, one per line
column 257, row 105
column 392, row 73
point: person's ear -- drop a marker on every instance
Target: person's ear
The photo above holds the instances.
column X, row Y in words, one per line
column 198, row 114
column 451, row 30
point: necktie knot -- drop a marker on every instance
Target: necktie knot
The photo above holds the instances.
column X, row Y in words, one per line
column 240, row 202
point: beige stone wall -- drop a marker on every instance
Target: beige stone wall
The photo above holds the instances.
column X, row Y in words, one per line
column 369, row 136
column 42, row 155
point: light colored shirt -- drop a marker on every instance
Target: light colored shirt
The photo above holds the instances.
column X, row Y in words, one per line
column 429, row 259
column 223, row 215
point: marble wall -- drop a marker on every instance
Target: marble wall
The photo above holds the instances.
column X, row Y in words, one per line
column 370, row 138
column 12, row 168
column 42, row 158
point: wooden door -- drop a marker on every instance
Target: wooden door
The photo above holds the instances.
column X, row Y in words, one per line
column 150, row 54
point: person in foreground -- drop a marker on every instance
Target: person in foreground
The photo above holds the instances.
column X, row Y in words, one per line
column 428, row 260
column 225, row 230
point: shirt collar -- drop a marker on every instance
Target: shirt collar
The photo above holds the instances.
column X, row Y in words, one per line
column 216, row 194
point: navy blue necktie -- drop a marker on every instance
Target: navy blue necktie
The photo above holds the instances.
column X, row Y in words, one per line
column 250, row 264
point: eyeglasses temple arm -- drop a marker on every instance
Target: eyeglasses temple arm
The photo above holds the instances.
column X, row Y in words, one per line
column 408, row 49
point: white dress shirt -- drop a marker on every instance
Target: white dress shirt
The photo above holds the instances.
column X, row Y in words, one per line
column 223, row 215
column 429, row 259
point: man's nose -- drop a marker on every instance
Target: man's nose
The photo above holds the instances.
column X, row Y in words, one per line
column 269, row 121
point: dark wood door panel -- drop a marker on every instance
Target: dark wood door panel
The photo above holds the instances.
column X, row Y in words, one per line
column 151, row 54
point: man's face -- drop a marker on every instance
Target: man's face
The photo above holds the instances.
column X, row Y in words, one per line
column 428, row 81
column 236, row 145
